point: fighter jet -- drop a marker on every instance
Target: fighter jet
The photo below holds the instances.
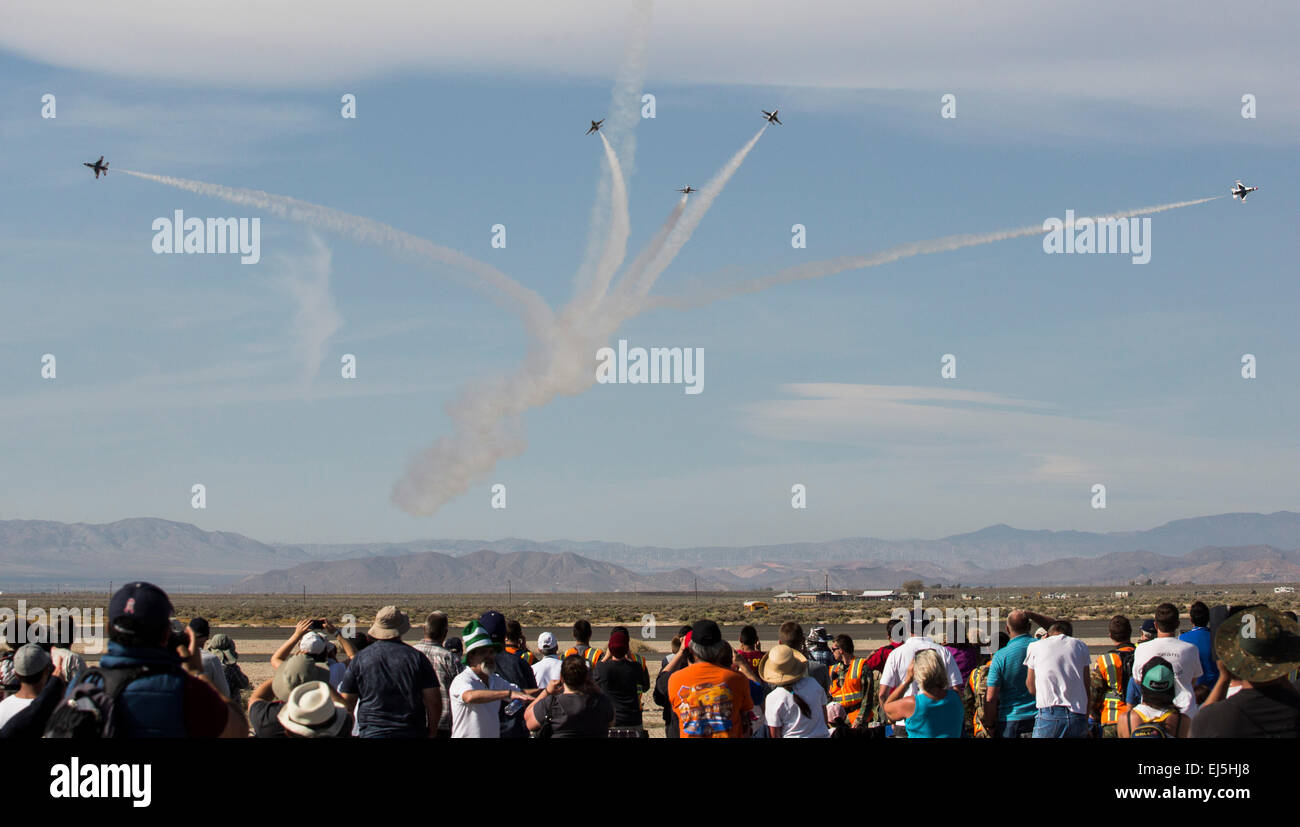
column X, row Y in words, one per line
column 595, row 126
column 99, row 166
column 1241, row 191
column 688, row 189
column 771, row 116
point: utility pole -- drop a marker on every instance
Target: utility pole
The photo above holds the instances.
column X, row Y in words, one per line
column 510, row 592
column 697, row 590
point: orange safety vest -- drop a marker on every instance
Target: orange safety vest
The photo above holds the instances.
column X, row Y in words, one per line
column 846, row 686
column 1111, row 667
column 526, row 656
column 590, row 653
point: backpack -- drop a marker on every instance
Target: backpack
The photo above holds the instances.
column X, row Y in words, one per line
column 235, row 677
column 91, row 710
column 975, row 695
column 1154, row 728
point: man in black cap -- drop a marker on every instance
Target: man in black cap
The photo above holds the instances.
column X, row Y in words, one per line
column 1258, row 647
column 169, row 697
column 511, row 667
column 710, row 699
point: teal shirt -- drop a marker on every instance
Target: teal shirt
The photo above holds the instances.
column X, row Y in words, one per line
column 1008, row 673
column 936, row 719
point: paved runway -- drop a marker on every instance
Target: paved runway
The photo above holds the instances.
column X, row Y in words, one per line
column 253, row 642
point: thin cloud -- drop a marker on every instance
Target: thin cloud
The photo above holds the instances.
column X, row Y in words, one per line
column 1198, row 57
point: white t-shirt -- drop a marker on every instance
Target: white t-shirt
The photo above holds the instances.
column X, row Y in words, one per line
column 1061, row 672
column 11, row 706
column 476, row 720
column 781, row 710
column 1183, row 656
column 896, row 665
column 546, row 670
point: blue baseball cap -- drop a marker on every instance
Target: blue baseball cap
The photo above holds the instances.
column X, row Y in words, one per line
column 140, row 608
column 494, row 623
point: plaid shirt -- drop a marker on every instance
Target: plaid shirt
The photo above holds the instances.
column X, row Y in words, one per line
column 446, row 666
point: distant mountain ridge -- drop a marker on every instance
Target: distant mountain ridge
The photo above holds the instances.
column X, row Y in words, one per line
column 43, row 552
column 1212, row 564
column 1239, row 547
column 996, row 545
column 482, row 572
column 490, row 572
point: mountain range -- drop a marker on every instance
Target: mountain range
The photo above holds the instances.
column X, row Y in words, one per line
column 1224, row 548
column 996, row 546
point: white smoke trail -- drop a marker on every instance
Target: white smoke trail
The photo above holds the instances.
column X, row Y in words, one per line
column 487, row 417
column 497, row 285
column 632, row 282
column 620, row 122
column 487, row 423
column 683, row 229
column 620, row 227
column 819, row 269
column 316, row 317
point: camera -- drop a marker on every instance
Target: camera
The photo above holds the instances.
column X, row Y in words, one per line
column 178, row 638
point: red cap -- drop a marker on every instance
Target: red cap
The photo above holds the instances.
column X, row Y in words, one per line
column 618, row 644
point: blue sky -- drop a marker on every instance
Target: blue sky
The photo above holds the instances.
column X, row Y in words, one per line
column 1072, row 370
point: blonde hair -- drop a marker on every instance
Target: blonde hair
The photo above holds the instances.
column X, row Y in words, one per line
column 929, row 671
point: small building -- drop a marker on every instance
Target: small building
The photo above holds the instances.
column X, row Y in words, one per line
column 1121, row 594
column 879, row 594
column 786, row 597
column 820, row 597
column 1284, row 590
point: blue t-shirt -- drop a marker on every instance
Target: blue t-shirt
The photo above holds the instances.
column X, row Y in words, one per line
column 936, row 719
column 389, row 678
column 1200, row 638
column 1008, row 673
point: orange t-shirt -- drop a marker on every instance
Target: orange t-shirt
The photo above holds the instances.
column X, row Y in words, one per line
column 709, row 701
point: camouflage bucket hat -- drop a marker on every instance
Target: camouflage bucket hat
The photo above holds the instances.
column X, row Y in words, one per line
column 224, row 648
column 1258, row 644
